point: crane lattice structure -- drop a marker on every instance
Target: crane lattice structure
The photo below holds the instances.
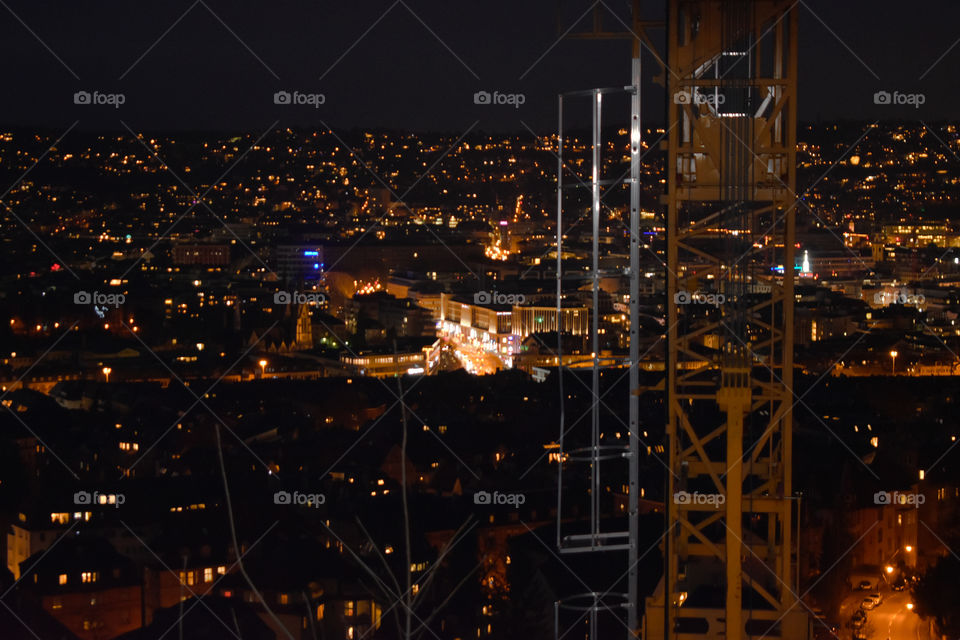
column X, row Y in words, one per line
column 730, row 71
column 731, row 175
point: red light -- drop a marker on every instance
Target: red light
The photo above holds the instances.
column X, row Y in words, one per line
column 55, row 267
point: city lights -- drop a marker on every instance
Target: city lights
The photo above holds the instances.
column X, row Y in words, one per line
column 566, row 340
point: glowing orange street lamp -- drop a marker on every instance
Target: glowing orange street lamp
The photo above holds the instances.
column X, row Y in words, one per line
column 263, row 368
column 106, row 373
column 893, row 361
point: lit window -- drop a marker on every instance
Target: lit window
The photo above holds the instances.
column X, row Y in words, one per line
column 62, row 578
column 89, row 576
column 208, row 574
column 221, row 570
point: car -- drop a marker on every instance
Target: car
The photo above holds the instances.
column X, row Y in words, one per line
column 900, row 586
column 864, row 585
column 859, row 619
column 867, row 604
column 877, row 598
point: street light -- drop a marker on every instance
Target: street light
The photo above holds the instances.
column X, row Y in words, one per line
column 889, row 568
column 908, row 548
column 263, row 368
column 106, row 373
column 893, row 362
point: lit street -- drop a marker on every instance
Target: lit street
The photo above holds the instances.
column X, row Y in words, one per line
column 891, row 619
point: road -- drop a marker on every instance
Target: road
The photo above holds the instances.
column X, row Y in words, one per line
column 892, row 619
column 475, row 360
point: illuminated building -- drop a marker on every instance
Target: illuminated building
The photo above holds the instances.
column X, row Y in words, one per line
column 89, row 587
column 920, row 235
column 201, row 254
column 385, row 363
column 487, row 327
column 500, row 328
column 293, row 262
column 537, row 319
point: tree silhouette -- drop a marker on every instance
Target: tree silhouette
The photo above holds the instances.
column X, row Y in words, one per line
column 937, row 593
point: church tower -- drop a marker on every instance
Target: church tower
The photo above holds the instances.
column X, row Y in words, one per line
column 304, row 337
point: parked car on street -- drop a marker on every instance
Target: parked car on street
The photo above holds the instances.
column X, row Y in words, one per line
column 859, row 619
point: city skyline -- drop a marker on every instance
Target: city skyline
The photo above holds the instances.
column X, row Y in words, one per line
column 417, row 321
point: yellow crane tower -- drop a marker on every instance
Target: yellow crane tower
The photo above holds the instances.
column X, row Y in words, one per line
column 730, row 73
column 731, row 77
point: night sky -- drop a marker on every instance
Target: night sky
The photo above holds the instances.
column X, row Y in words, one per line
column 213, row 64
